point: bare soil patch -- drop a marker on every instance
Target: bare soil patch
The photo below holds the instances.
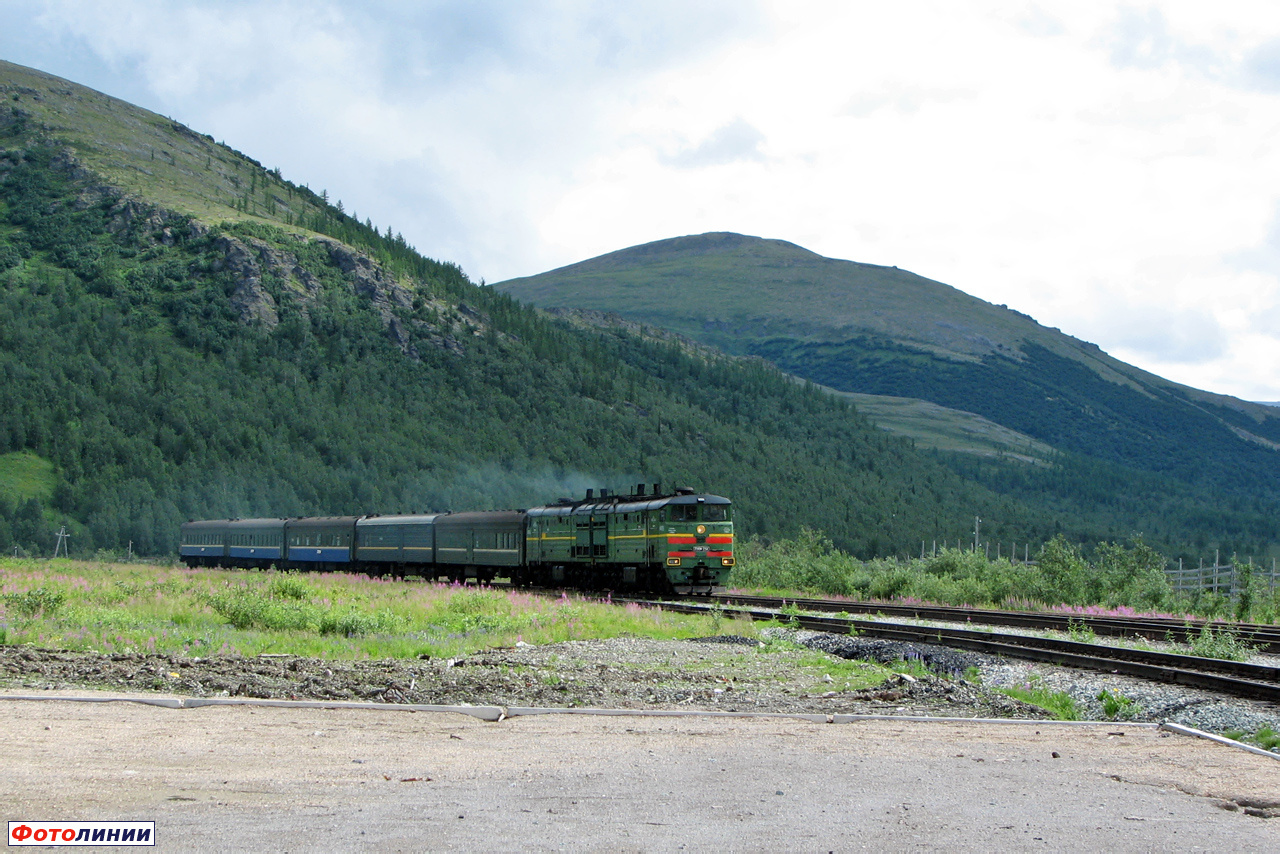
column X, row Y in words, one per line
column 619, row 673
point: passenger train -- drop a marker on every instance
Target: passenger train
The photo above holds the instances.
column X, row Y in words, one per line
column 647, row 540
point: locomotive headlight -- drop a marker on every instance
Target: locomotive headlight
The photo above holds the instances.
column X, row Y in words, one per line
column 726, row 561
column 702, row 529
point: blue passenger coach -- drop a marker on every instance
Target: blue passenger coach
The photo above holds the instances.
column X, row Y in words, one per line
column 204, row 543
column 320, row 543
column 250, row 542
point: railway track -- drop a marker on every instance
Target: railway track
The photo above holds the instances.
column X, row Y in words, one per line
column 1259, row 682
column 1266, row 638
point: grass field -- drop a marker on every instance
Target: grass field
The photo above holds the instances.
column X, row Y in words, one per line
column 929, row 425
column 109, row 607
column 24, row 475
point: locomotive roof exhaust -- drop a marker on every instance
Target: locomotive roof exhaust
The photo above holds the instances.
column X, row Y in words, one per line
column 639, row 490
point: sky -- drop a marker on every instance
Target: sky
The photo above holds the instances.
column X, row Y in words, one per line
column 1111, row 169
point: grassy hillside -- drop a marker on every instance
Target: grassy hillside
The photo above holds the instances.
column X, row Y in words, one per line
column 743, row 293
column 928, row 425
column 153, row 157
column 169, row 167
column 731, row 289
column 925, row 424
column 1175, row 457
column 172, row 353
column 23, row 475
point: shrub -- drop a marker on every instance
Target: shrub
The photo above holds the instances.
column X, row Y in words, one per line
column 244, row 608
column 1245, row 584
column 810, row 562
column 1225, row 643
column 1118, row 576
column 40, row 600
column 1064, row 570
column 289, row 586
column 351, row 623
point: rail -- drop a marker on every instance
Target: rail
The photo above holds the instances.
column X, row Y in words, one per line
column 1259, row 682
column 1266, row 638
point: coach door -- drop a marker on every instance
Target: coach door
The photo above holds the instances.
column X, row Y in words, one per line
column 600, row 537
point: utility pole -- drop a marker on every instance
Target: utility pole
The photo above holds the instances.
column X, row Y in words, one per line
column 63, row 536
column 976, row 525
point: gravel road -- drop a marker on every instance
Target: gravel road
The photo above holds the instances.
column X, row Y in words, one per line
column 296, row 779
column 299, row 779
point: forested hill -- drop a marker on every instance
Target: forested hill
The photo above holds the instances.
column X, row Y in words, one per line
column 1183, row 465
column 186, row 334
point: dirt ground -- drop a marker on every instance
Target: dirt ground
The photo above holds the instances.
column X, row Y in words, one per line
column 298, row 779
column 725, row 674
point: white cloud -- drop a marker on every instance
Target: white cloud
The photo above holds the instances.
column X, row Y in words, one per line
column 732, row 142
column 1262, row 66
column 903, row 98
column 1167, row 335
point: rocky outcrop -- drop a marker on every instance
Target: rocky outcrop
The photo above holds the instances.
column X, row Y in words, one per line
column 245, row 261
column 371, row 281
column 249, row 260
column 368, row 278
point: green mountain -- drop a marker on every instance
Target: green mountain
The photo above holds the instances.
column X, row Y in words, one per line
column 996, row 390
column 184, row 333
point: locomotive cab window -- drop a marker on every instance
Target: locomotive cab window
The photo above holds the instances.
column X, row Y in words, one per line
column 715, row 513
column 684, row 513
